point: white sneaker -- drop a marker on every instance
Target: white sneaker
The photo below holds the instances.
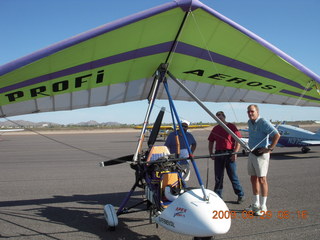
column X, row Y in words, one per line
column 253, row 207
column 262, row 211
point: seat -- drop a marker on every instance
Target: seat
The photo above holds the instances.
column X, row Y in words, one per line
column 170, row 187
column 167, row 182
column 156, row 152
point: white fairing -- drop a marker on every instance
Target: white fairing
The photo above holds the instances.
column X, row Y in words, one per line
column 169, row 195
column 189, row 214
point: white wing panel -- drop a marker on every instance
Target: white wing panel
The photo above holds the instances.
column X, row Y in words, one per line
column 80, row 99
column 98, row 96
column 62, row 102
column 45, row 104
column 22, row 108
column 116, row 93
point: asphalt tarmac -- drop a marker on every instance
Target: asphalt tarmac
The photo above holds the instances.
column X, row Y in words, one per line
column 51, row 187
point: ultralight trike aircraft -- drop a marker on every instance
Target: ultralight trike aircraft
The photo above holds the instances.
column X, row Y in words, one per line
column 182, row 50
column 170, row 202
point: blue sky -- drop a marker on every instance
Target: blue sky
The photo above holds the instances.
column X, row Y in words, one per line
column 290, row 25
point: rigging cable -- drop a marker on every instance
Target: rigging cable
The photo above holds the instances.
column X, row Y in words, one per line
column 57, row 141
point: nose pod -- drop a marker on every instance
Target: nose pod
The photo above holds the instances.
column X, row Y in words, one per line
column 191, row 215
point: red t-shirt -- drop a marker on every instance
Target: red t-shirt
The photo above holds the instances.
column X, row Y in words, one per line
column 224, row 140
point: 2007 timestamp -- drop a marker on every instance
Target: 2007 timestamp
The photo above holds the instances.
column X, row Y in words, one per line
column 282, row 215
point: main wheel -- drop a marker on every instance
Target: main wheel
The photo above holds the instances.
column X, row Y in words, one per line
column 305, row 149
column 111, row 217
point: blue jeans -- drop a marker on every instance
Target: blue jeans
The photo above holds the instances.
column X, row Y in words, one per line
column 221, row 163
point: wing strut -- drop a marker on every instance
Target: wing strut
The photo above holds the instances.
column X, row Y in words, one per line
column 196, row 99
column 205, row 197
column 159, row 76
column 175, row 42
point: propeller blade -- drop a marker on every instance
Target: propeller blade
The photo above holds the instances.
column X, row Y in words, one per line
column 156, row 128
column 127, row 158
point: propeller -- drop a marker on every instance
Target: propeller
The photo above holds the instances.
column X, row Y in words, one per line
column 151, row 141
column 127, row 158
column 156, row 127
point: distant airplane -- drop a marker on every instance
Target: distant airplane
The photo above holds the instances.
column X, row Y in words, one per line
column 292, row 136
column 166, row 129
column 12, row 130
column 2, row 131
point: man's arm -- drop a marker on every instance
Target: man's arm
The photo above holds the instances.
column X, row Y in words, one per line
column 236, row 149
column 210, row 147
column 193, row 147
column 275, row 140
column 270, row 148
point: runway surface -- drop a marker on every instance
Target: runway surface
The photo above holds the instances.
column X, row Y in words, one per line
column 51, row 187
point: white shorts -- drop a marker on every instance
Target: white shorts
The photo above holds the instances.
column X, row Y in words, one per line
column 258, row 165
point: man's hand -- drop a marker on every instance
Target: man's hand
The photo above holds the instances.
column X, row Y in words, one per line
column 265, row 150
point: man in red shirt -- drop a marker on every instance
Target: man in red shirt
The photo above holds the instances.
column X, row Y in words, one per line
column 224, row 143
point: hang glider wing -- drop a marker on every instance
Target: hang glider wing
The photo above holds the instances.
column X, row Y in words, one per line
column 216, row 58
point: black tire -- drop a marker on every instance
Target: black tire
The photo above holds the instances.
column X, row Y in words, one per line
column 305, row 149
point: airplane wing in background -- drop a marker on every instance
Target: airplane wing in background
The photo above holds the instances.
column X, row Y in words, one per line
column 198, row 126
column 311, row 142
column 244, row 130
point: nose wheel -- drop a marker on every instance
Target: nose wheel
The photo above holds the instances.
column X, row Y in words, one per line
column 203, row 238
column 111, row 217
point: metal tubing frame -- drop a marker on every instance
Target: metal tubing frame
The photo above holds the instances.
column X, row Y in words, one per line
column 154, row 91
column 160, row 77
column 126, row 199
column 196, row 99
column 186, row 141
